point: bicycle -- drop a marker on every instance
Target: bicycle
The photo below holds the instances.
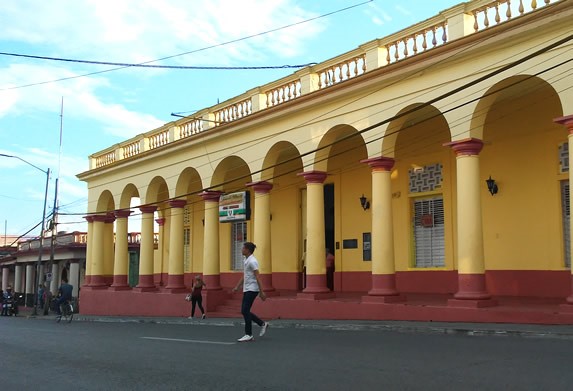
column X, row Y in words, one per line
column 67, row 312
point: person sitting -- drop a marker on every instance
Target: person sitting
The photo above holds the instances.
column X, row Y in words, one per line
column 65, row 295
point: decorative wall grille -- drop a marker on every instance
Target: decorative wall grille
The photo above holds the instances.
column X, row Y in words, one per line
column 187, row 250
column 427, row 178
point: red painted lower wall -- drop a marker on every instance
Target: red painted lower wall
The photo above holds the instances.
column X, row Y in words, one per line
column 529, row 283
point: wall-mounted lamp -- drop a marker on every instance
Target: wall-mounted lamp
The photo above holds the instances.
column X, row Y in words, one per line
column 364, row 202
column 491, row 185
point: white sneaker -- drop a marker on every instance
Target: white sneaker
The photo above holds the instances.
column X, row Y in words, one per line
column 264, row 329
column 190, row 317
column 246, row 338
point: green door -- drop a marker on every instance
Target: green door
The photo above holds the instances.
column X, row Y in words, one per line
column 133, row 268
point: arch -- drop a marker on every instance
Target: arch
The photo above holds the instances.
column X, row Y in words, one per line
column 282, row 160
column 129, row 192
column 340, row 143
column 504, row 91
column 157, row 191
column 423, row 121
column 105, row 202
column 231, row 174
column 189, row 182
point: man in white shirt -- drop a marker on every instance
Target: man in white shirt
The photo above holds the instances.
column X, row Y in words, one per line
column 252, row 288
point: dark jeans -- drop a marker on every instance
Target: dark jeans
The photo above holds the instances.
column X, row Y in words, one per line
column 248, row 300
column 61, row 300
column 196, row 301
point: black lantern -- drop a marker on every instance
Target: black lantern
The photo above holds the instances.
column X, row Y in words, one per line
column 491, row 185
column 364, row 202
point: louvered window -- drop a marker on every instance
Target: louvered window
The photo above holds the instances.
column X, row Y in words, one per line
column 429, row 247
column 238, row 237
column 565, row 210
column 564, row 157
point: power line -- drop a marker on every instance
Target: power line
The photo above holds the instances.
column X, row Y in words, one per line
column 143, row 65
column 196, row 50
column 417, row 108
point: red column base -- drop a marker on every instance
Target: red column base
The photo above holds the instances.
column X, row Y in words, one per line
column 97, row 282
column 213, row 282
column 175, row 284
column 145, row 284
column 119, row 283
column 267, row 282
column 472, row 287
column 316, row 283
column 383, row 285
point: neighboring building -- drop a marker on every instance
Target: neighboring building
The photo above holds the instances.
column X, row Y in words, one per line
column 62, row 257
column 380, row 154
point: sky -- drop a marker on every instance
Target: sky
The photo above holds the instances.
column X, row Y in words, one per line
column 93, row 107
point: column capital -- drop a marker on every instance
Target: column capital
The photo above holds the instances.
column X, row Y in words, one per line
column 148, row 208
column 262, row 187
column 566, row 121
column 314, row 176
column 99, row 218
column 89, row 219
column 122, row 213
column 160, row 221
column 380, row 163
column 177, row 203
column 466, row 147
column 211, row 195
column 109, row 217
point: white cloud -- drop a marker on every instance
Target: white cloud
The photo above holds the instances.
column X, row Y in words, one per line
column 133, row 31
column 80, row 98
column 377, row 15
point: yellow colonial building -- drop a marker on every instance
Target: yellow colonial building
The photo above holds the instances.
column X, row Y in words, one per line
column 433, row 161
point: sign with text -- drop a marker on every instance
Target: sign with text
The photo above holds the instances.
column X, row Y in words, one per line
column 234, row 207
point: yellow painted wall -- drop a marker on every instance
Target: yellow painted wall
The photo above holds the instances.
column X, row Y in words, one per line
column 522, row 223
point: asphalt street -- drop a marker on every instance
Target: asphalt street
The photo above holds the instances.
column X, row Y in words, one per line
column 41, row 354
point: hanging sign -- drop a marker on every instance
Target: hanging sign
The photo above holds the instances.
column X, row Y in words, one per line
column 234, row 207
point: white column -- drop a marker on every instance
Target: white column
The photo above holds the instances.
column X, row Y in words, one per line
column 18, row 279
column 5, row 277
column 74, row 277
column 30, row 281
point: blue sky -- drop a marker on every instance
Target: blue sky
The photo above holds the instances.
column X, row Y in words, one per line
column 105, row 108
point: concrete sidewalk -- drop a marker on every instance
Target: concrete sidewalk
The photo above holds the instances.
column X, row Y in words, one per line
column 448, row 328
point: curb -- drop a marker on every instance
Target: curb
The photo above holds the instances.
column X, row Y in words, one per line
column 473, row 330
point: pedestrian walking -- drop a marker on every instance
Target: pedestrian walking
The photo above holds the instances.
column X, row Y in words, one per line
column 195, row 296
column 252, row 288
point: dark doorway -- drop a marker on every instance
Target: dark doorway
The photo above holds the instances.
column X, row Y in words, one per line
column 329, row 216
column 329, row 230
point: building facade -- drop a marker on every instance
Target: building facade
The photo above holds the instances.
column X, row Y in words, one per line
column 432, row 161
